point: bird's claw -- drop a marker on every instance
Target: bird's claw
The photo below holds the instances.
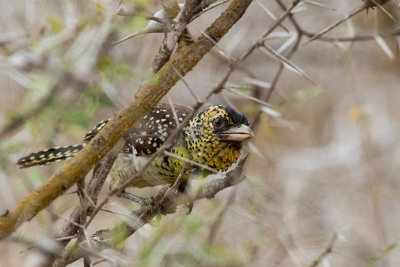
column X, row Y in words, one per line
column 143, row 202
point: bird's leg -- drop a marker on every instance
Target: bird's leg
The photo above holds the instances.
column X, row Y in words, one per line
column 140, row 200
column 182, row 187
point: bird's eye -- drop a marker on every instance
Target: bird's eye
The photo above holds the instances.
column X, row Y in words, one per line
column 218, row 123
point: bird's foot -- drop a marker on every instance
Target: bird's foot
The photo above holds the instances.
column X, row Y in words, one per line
column 143, row 202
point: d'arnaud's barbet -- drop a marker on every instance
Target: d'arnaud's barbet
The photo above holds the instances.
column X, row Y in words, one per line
column 212, row 138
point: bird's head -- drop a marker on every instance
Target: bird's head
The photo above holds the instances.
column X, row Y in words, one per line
column 215, row 136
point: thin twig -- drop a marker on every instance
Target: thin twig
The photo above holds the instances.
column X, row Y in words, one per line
column 337, row 23
column 326, row 251
column 289, row 63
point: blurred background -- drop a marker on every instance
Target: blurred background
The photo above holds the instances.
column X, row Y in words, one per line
column 323, row 171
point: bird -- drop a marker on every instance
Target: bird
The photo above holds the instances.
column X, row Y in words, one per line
column 211, row 141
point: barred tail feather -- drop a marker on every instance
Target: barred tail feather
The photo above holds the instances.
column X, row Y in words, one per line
column 50, row 155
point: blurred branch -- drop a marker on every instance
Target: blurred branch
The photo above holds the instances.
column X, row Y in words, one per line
column 334, row 25
column 374, row 3
column 235, row 63
column 267, row 96
column 81, row 235
column 318, row 36
column 75, row 75
column 369, row 37
column 289, row 63
column 326, row 251
column 374, row 260
column 67, row 80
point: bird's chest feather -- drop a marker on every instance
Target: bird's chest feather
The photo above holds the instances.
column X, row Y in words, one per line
column 162, row 170
column 127, row 165
column 217, row 155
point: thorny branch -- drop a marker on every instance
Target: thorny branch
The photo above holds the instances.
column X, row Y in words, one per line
column 319, row 36
column 176, row 28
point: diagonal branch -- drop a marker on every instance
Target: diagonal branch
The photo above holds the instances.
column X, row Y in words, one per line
column 176, row 29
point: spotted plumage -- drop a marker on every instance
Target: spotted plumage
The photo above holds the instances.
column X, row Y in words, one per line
column 212, row 140
column 50, row 155
column 95, row 130
column 206, row 133
column 59, row 153
column 154, row 128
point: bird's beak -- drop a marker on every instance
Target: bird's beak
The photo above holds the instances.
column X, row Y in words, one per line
column 237, row 134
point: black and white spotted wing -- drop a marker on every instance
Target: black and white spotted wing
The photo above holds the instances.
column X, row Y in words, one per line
column 49, row 155
column 154, row 128
column 92, row 133
column 146, row 136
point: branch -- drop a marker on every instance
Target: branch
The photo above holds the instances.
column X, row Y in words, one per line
column 96, row 183
column 325, row 252
column 145, row 99
column 175, row 30
column 385, row 34
column 334, row 25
